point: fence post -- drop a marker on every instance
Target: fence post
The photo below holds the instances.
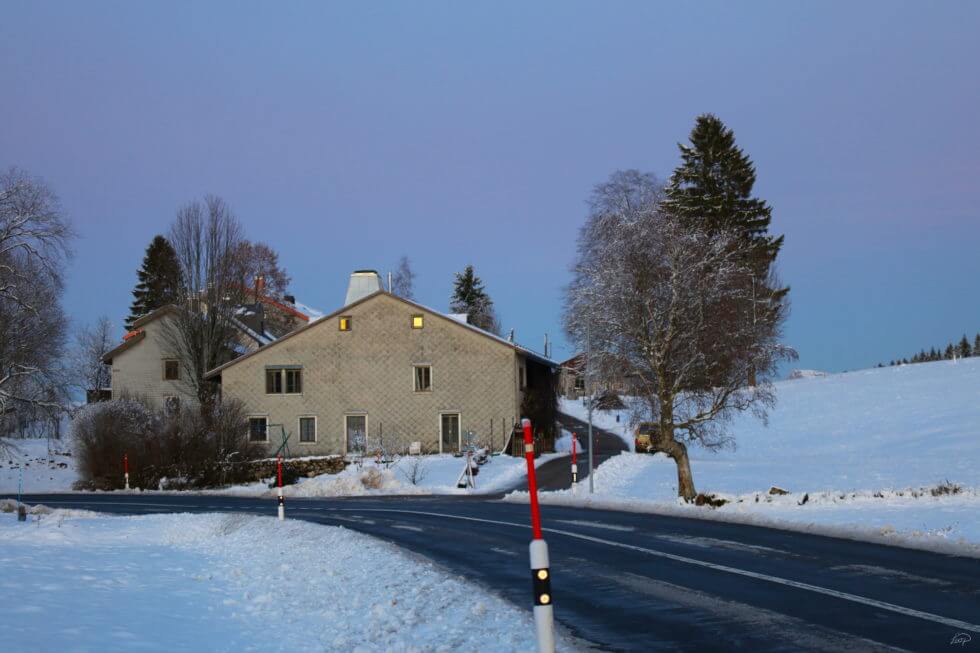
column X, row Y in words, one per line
column 574, row 464
column 544, row 613
column 126, row 469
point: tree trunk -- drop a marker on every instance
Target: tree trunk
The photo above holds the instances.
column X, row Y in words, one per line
column 677, row 451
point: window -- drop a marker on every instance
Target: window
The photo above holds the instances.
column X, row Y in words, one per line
column 284, row 379
column 344, row 323
column 273, row 382
column 307, row 429
column 423, row 378
column 418, row 321
column 580, row 383
column 258, row 429
column 294, row 381
column 522, row 378
column 171, row 370
column 171, row 405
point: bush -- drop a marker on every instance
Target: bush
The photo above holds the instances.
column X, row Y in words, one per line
column 190, row 449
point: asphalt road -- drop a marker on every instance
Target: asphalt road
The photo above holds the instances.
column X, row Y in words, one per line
column 632, row 582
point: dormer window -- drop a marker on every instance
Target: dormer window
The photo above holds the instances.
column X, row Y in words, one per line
column 343, row 323
column 418, row 321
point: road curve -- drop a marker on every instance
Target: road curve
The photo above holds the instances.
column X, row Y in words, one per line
column 632, row 582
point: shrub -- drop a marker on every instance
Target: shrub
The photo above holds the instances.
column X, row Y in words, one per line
column 189, row 449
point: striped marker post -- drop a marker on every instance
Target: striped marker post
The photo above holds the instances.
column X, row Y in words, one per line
column 574, row 464
column 126, row 469
column 282, row 504
column 544, row 612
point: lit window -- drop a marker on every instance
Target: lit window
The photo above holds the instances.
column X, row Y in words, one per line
column 307, row 429
column 418, row 321
column 423, row 378
column 171, row 370
column 258, row 429
column 344, row 323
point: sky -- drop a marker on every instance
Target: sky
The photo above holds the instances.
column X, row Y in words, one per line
column 346, row 135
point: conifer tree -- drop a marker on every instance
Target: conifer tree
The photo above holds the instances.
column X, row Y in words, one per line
column 469, row 297
column 950, row 352
column 159, row 280
column 964, row 349
column 976, row 345
column 714, row 184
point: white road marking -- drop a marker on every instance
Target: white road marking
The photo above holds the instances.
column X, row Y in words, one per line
column 596, row 524
column 406, row 527
column 846, row 596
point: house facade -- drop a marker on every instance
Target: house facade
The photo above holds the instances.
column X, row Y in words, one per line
column 143, row 365
column 382, row 372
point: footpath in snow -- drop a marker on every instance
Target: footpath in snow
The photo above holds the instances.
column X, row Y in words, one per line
column 863, row 454
column 84, row 582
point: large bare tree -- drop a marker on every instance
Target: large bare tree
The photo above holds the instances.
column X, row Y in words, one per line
column 665, row 304
column 208, row 240
column 34, row 248
column 85, row 367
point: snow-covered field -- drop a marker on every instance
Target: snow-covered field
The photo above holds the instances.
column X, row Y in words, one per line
column 866, row 447
column 46, row 465
column 234, row 582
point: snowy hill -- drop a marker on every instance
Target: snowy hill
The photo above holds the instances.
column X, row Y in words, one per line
column 867, row 447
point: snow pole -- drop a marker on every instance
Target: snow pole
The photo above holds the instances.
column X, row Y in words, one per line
column 21, row 509
column 574, row 465
column 126, row 469
column 544, row 612
column 282, row 505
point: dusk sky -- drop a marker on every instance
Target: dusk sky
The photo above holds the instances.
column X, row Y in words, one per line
column 347, row 135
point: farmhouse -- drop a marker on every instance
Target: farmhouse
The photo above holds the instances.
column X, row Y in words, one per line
column 384, row 372
column 143, row 365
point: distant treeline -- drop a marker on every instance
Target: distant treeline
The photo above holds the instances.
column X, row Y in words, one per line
column 962, row 349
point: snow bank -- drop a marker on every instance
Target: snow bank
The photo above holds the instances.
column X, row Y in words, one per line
column 435, row 474
column 236, row 582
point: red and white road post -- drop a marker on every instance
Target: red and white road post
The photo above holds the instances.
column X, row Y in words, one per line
column 282, row 505
column 574, row 464
column 544, row 612
column 126, row 469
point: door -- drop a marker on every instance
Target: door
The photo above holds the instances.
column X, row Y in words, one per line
column 450, row 432
column 356, row 433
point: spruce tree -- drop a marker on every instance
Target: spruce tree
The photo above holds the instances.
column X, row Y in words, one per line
column 713, row 185
column 964, row 349
column 950, row 352
column 469, row 297
column 159, row 280
column 976, row 345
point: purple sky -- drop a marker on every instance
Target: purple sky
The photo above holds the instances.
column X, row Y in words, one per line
column 348, row 135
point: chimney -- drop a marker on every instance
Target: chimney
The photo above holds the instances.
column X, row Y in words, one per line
column 362, row 283
column 259, row 287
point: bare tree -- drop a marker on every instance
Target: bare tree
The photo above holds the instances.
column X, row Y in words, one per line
column 34, row 247
column 201, row 334
column 85, row 367
column 260, row 260
column 668, row 306
column 403, row 280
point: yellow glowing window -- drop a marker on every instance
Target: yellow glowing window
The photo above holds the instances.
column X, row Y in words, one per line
column 344, row 323
column 417, row 321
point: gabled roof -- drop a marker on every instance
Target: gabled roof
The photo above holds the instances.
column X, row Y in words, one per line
column 452, row 320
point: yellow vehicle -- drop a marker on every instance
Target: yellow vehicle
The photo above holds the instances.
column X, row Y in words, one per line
column 643, row 436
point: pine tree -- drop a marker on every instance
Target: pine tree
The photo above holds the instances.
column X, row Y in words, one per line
column 933, row 354
column 714, row 184
column 976, row 345
column 950, row 352
column 469, row 297
column 159, row 280
column 964, row 348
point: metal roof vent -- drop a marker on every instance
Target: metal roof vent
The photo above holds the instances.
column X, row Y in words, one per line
column 362, row 283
